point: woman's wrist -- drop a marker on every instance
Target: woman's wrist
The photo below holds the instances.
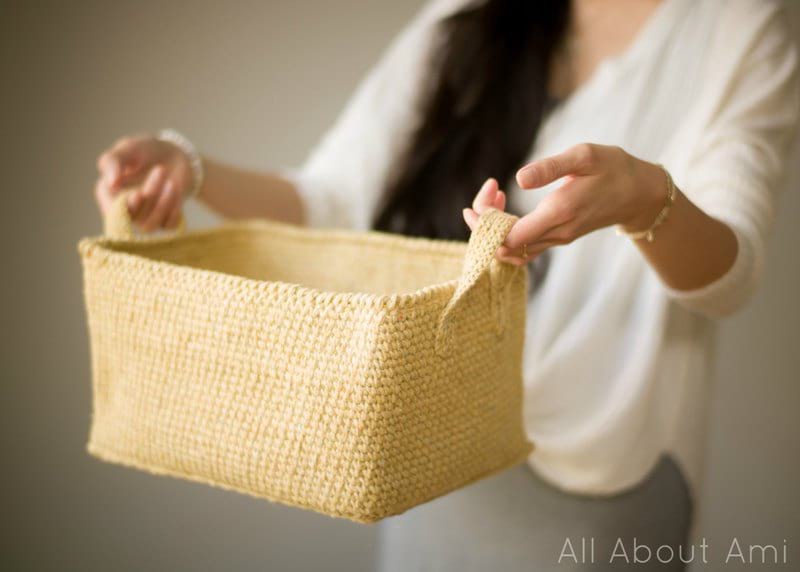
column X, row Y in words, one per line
column 648, row 189
column 193, row 158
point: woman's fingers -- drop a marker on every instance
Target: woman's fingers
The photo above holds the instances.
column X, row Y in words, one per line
column 486, row 196
column 174, row 217
column 533, row 251
column 123, row 160
column 504, row 254
column 529, row 228
column 558, row 235
column 143, row 164
column 166, row 203
column 500, row 201
column 105, row 196
column 471, row 218
column 489, row 196
column 577, row 160
column 156, row 205
column 150, row 193
column 533, row 233
column 556, row 210
column 529, row 251
column 471, row 215
column 515, row 260
column 134, row 202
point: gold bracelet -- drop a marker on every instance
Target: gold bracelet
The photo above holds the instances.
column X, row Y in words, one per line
column 649, row 233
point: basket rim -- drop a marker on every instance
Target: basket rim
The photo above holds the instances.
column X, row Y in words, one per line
column 114, row 249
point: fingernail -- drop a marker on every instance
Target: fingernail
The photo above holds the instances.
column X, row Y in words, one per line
column 528, row 171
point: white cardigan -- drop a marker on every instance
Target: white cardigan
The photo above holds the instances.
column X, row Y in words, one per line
column 617, row 365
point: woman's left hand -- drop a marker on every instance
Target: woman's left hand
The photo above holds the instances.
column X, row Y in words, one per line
column 602, row 186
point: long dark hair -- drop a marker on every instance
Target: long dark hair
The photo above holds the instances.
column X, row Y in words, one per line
column 488, row 93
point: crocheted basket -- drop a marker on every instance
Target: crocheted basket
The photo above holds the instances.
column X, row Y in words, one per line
column 355, row 374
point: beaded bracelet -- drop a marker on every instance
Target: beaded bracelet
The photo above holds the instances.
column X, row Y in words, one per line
column 195, row 161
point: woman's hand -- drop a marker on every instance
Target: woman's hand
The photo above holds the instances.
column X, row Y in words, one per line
column 602, row 186
column 158, row 172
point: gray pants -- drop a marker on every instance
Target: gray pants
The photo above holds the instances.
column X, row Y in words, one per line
column 514, row 521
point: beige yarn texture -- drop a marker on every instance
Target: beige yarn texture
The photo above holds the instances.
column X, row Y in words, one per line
column 355, row 374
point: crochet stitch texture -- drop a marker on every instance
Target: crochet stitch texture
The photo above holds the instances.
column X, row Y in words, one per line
column 355, row 374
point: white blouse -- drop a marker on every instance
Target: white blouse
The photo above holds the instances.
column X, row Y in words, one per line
column 617, row 366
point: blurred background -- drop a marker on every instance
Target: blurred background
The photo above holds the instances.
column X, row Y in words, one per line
column 256, row 83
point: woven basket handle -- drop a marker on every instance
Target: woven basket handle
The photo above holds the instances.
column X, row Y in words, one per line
column 117, row 223
column 493, row 226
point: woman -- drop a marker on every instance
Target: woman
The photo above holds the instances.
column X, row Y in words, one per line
column 587, row 97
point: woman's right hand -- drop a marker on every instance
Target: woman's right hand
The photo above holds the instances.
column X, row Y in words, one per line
column 157, row 172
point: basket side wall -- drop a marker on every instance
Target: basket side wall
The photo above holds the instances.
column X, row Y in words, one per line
column 213, row 378
column 443, row 422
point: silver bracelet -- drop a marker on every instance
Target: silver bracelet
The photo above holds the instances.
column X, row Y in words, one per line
column 195, row 161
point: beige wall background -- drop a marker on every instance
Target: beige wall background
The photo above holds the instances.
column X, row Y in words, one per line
column 255, row 83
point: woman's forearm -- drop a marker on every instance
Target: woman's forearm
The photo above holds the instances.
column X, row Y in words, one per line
column 692, row 249
column 234, row 192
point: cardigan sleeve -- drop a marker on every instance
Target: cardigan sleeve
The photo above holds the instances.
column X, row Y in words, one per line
column 738, row 167
column 341, row 182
